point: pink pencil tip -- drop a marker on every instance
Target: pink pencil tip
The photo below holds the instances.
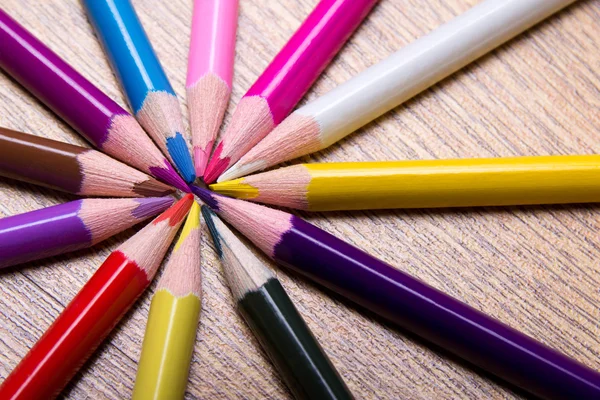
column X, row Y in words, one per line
column 201, row 158
column 216, row 166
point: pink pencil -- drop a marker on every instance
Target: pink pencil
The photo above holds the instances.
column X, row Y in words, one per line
column 287, row 78
column 210, row 70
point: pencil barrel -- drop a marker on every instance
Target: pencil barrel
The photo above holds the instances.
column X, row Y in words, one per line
column 290, row 344
column 42, row 233
column 454, row 183
column 433, row 315
column 77, row 331
column 168, row 345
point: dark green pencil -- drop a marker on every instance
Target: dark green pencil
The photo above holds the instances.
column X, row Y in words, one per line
column 274, row 320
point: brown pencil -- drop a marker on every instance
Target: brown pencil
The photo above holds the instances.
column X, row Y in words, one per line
column 71, row 168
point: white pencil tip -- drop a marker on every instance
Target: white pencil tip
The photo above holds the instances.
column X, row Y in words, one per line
column 239, row 170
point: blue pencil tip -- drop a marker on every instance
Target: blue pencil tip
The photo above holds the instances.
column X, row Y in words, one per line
column 181, row 157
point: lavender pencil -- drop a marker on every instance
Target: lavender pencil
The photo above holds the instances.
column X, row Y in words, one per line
column 71, row 226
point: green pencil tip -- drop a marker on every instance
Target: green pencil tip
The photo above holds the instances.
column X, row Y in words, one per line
column 209, row 216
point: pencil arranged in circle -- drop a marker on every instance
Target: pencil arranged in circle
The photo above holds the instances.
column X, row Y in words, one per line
column 424, row 183
column 407, row 302
column 209, row 73
column 396, row 79
column 274, row 319
column 146, row 85
column 173, row 320
column 89, row 111
column 70, row 168
column 287, row 78
column 94, row 311
column 71, row 226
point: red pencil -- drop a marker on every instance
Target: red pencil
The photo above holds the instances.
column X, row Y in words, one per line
column 95, row 310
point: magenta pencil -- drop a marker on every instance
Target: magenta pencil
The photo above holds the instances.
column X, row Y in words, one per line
column 89, row 111
column 288, row 77
column 210, row 71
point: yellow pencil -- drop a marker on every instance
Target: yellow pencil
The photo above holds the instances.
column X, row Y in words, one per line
column 424, row 183
column 173, row 320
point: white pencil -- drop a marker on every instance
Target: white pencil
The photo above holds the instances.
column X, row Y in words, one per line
column 394, row 80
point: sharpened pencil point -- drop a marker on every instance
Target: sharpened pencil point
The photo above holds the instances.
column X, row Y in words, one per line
column 241, row 169
column 236, row 188
column 170, row 176
column 201, row 158
column 181, row 157
column 151, row 206
column 206, row 196
column 208, row 215
column 177, row 212
column 216, row 166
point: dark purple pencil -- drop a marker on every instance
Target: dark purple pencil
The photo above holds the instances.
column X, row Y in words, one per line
column 104, row 123
column 71, row 226
column 408, row 302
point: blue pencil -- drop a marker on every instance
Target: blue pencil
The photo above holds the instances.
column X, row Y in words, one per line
column 148, row 90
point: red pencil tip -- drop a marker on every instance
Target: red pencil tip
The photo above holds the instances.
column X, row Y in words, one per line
column 216, row 166
column 177, row 212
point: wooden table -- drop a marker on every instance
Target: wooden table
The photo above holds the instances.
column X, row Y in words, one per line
column 534, row 268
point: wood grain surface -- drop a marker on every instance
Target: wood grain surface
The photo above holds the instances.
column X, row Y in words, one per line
column 534, row 268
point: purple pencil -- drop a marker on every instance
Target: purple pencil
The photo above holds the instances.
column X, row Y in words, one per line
column 71, row 226
column 408, row 302
column 104, row 123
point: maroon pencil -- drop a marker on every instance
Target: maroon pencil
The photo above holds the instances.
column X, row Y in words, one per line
column 89, row 111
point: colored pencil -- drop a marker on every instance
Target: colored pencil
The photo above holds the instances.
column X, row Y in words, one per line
column 283, row 83
column 424, row 183
column 173, row 320
column 407, row 302
column 71, row 226
column 147, row 88
column 71, row 168
column 95, row 310
column 274, row 320
column 394, row 80
column 210, row 71
column 90, row 112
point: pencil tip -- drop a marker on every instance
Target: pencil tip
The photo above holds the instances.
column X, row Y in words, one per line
column 216, row 166
column 177, row 212
column 206, row 196
column 151, row 206
column 192, row 222
column 241, row 168
column 168, row 175
column 201, row 158
column 236, row 188
column 208, row 215
column 181, row 157
column 152, row 187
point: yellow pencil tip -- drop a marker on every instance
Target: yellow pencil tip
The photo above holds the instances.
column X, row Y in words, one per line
column 192, row 222
column 236, row 188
